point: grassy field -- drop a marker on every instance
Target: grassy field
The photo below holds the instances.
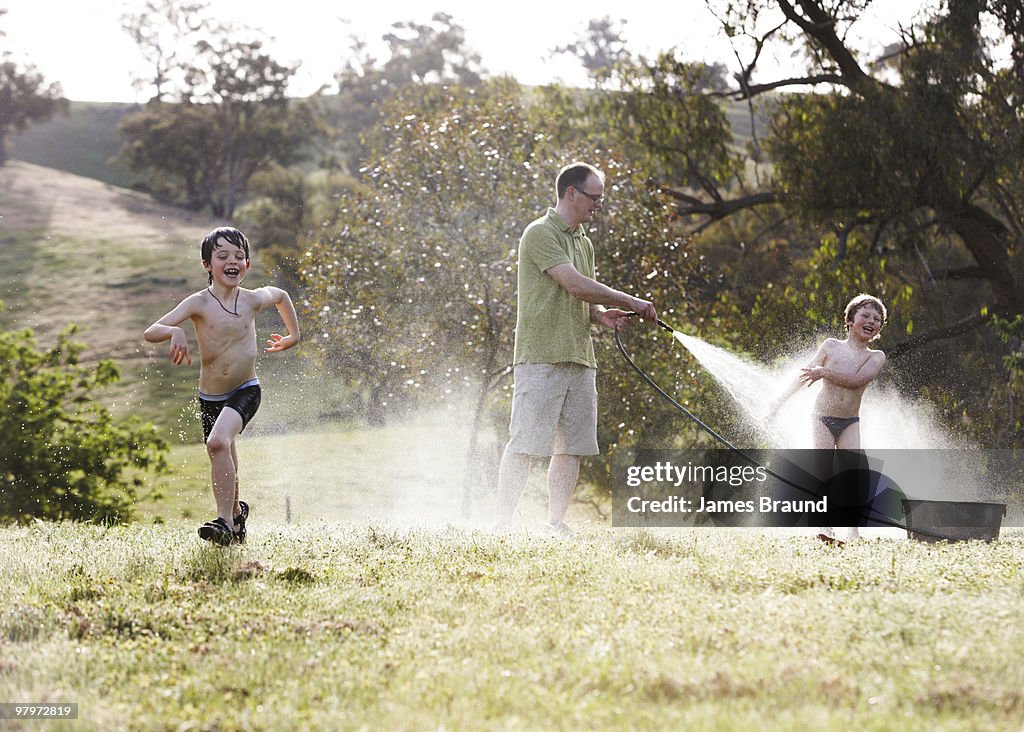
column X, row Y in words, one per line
column 368, row 626
column 364, row 600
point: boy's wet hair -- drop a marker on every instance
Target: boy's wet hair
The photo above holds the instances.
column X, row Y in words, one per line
column 574, row 175
column 863, row 300
column 231, row 235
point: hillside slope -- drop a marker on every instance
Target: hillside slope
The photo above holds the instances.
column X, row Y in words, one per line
column 111, row 260
column 84, row 141
column 73, row 249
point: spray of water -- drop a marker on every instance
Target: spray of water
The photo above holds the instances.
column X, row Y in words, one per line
column 889, row 421
column 406, row 473
column 409, row 472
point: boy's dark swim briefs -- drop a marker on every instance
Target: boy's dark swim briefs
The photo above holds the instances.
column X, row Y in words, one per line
column 836, row 425
column 244, row 399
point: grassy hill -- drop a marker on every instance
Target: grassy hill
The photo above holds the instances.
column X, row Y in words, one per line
column 75, row 250
column 82, row 142
column 111, row 261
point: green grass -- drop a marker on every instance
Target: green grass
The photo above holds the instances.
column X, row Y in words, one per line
column 83, row 142
column 341, row 626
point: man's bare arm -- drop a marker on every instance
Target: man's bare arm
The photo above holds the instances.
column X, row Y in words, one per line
column 591, row 291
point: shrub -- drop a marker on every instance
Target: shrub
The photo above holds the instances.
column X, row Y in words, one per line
column 62, row 455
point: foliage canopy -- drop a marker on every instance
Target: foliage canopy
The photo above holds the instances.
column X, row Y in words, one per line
column 413, row 282
column 231, row 118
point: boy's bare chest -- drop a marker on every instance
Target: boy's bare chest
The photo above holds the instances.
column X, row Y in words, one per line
column 847, row 359
column 225, row 329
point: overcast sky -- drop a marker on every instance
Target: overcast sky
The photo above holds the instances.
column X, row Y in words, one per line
column 81, row 44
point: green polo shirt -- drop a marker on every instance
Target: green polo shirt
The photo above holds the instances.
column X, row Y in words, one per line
column 552, row 326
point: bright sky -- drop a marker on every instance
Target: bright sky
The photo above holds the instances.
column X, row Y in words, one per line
column 81, row 43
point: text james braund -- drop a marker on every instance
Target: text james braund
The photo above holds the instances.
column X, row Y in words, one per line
column 766, row 504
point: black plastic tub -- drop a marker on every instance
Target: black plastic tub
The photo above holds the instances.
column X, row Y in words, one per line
column 932, row 521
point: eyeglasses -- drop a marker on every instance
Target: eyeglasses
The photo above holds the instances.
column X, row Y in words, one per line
column 591, row 196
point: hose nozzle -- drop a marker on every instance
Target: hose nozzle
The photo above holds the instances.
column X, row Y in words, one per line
column 661, row 323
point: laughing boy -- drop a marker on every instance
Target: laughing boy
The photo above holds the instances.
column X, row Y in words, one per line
column 224, row 318
column 845, row 368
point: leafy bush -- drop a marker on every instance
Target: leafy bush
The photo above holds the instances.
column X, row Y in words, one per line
column 62, row 455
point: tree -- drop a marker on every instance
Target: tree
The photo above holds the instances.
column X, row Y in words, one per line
column 412, row 285
column 162, row 30
column 897, row 175
column 246, row 90
column 601, row 48
column 25, row 97
column 432, row 53
column 925, row 142
column 62, row 455
column 173, row 144
column 233, row 119
column 423, row 298
column 660, row 111
column 278, row 215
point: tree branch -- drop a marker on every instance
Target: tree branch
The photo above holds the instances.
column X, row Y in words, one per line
column 821, row 27
column 1009, row 207
column 843, row 233
column 961, row 273
column 749, row 91
column 719, row 209
column 949, row 331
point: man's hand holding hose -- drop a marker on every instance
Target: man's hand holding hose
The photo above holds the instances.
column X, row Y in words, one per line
column 615, row 319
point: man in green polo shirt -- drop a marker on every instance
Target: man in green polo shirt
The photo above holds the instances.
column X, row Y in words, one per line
column 554, row 404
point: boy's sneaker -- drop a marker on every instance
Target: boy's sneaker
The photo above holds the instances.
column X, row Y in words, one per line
column 243, row 514
column 217, row 532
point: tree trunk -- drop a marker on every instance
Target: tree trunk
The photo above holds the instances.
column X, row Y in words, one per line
column 990, row 243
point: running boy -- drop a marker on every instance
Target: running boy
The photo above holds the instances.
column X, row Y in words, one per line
column 224, row 317
column 845, row 369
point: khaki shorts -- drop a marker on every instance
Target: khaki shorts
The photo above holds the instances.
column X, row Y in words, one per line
column 554, row 410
